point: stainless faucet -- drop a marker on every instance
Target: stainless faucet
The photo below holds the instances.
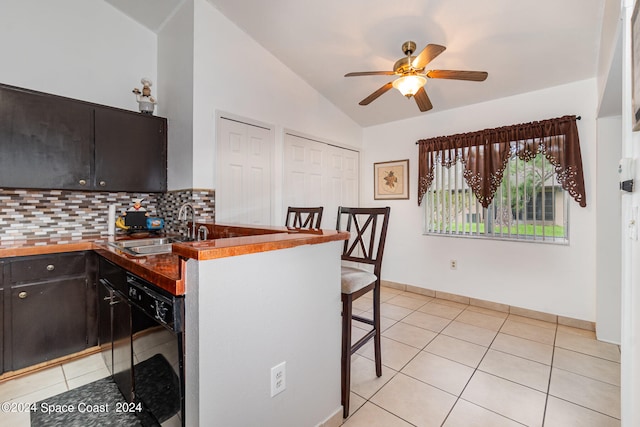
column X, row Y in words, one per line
column 203, row 232
column 182, row 216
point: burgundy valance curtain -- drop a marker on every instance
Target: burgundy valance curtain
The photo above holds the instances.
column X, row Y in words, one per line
column 485, row 154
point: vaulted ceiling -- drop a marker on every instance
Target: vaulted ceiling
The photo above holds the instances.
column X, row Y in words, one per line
column 523, row 45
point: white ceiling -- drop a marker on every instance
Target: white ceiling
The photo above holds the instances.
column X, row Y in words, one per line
column 523, row 45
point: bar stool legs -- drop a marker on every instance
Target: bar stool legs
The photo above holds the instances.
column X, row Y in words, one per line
column 348, row 349
column 346, row 353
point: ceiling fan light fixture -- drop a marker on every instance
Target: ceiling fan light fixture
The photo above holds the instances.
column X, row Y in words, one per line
column 409, row 85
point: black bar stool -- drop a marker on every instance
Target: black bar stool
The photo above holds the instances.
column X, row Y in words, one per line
column 368, row 228
column 304, row 217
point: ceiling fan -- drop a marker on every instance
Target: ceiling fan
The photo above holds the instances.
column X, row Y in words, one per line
column 413, row 76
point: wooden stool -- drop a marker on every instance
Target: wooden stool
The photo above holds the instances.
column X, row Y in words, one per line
column 365, row 246
column 304, row 217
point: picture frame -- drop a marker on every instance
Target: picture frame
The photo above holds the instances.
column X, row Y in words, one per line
column 635, row 66
column 391, row 180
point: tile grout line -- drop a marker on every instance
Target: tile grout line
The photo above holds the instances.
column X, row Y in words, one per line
column 474, row 372
column 553, row 355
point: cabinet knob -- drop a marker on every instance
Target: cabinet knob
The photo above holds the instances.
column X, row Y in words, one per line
column 102, row 183
column 51, row 267
column 22, row 295
column 82, row 182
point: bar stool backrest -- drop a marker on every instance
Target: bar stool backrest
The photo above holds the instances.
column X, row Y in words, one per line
column 368, row 228
column 299, row 217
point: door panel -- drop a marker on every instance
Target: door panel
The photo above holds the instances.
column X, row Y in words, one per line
column 244, row 177
column 319, row 174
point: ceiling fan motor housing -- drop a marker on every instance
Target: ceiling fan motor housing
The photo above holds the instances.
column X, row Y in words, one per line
column 408, row 47
column 403, row 66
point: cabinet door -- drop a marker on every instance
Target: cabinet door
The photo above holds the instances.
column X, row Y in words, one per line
column 122, row 350
column 45, row 141
column 48, row 321
column 105, row 295
column 130, row 151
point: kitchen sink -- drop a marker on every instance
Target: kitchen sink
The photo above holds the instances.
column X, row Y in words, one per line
column 141, row 247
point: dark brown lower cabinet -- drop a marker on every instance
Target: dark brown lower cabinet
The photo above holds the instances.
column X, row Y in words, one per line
column 48, row 320
column 49, row 303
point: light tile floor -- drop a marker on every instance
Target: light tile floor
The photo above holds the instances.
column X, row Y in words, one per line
column 445, row 364
column 454, row 365
column 44, row 384
column 20, row 392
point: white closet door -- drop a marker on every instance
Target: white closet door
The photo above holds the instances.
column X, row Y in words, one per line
column 319, row 174
column 243, row 173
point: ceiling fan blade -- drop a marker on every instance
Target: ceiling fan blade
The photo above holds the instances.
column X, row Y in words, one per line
column 423, row 101
column 475, row 76
column 369, row 99
column 370, row 73
column 427, row 55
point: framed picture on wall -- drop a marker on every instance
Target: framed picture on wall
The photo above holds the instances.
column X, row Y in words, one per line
column 635, row 66
column 391, row 180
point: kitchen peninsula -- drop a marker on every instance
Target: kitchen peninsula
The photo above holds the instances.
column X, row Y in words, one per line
column 254, row 298
column 248, row 309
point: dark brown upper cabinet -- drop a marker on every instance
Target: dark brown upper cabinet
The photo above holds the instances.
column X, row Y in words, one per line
column 53, row 142
column 45, row 141
column 130, row 151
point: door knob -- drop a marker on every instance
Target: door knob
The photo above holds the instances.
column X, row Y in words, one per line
column 102, row 183
column 51, row 267
column 82, row 182
column 22, row 295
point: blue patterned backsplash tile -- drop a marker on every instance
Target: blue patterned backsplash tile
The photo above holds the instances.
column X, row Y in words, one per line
column 34, row 214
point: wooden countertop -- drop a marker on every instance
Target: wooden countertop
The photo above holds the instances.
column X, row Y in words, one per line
column 167, row 270
column 234, row 240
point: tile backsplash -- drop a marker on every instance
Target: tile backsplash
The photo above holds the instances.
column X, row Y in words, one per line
column 33, row 214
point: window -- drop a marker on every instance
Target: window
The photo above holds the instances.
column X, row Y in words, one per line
column 528, row 205
column 512, row 182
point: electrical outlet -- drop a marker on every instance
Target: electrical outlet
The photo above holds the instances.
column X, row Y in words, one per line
column 453, row 264
column 278, row 378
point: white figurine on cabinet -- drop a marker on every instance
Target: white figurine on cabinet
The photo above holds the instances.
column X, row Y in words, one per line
column 146, row 102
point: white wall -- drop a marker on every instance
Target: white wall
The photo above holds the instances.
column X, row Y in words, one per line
column 83, row 49
column 175, row 70
column 542, row 277
column 256, row 311
column 630, row 349
column 608, row 230
column 234, row 74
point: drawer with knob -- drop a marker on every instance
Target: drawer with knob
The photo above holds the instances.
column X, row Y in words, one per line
column 43, row 267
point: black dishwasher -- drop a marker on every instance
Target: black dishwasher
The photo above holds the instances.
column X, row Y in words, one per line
column 114, row 329
column 154, row 348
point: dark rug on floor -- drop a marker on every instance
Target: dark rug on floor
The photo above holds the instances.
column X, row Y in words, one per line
column 158, row 387
column 154, row 378
column 51, row 413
